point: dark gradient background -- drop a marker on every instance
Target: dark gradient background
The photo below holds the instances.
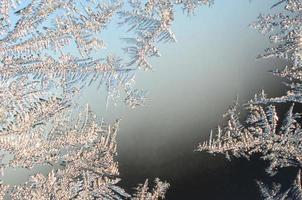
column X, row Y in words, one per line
column 192, row 85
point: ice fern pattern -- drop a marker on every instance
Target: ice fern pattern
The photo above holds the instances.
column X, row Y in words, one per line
column 151, row 22
column 49, row 51
column 158, row 191
column 277, row 139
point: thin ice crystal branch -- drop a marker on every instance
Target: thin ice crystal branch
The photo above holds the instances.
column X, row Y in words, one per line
column 3, row 189
column 151, row 22
column 276, row 192
column 135, row 98
column 158, row 191
column 273, row 193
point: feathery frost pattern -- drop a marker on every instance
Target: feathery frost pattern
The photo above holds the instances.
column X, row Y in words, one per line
column 48, row 54
column 151, row 22
column 276, row 138
column 157, row 193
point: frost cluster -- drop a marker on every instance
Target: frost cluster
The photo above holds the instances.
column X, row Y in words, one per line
column 264, row 132
column 49, row 51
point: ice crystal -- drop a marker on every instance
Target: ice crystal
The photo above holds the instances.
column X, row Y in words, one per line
column 276, row 192
column 3, row 189
column 157, row 193
column 135, row 98
column 90, row 172
column 272, row 193
column 260, row 134
column 275, row 138
column 49, row 52
column 151, row 22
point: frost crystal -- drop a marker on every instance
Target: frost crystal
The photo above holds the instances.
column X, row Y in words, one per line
column 49, row 51
column 90, row 171
column 276, row 138
column 272, row 193
column 151, row 22
column 157, row 193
